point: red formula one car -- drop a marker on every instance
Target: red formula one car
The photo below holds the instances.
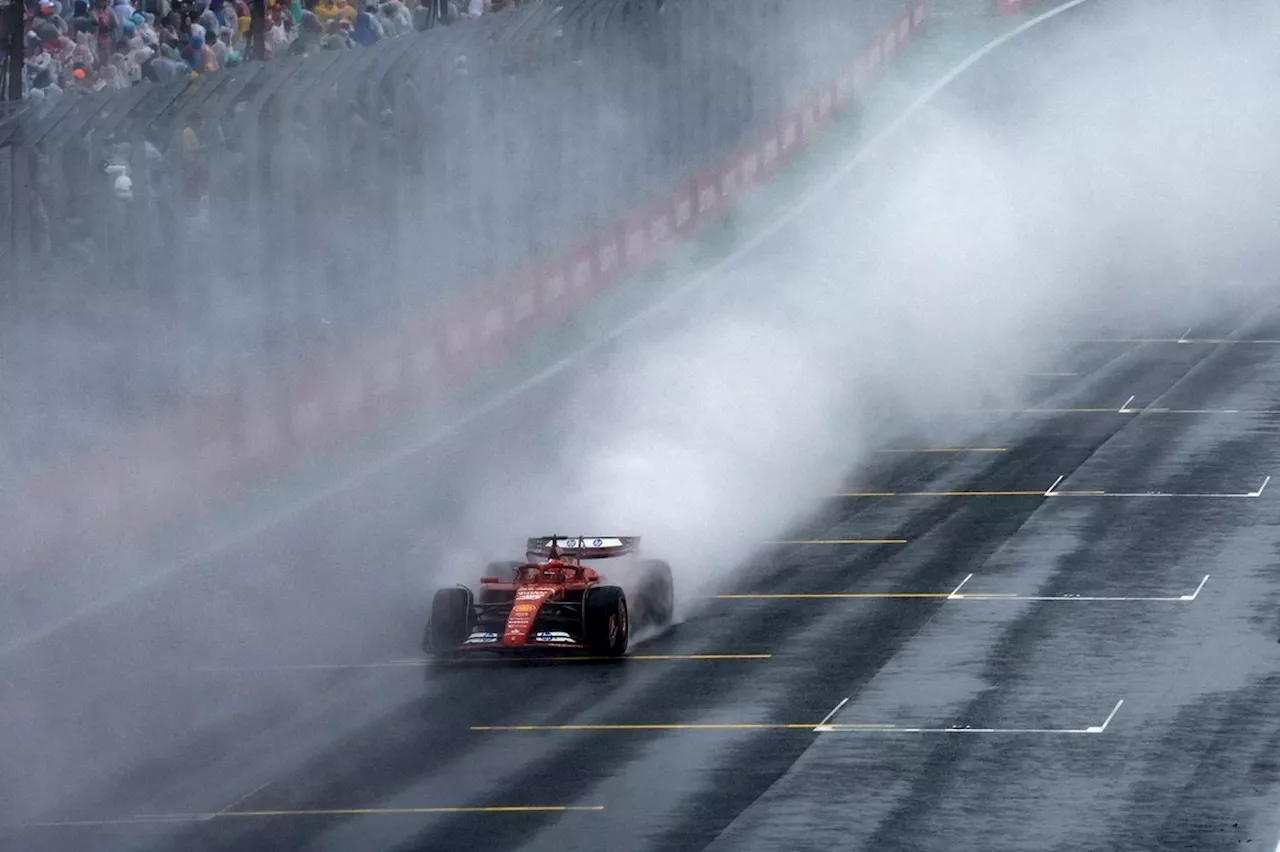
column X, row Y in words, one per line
column 553, row 602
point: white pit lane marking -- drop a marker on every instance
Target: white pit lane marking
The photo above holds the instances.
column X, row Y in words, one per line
column 982, row 596
column 1203, row 495
column 958, row 729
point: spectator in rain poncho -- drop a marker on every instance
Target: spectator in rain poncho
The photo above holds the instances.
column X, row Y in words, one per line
column 198, row 55
column 310, row 31
column 145, row 33
column 81, row 22
column 222, row 49
column 45, row 90
column 279, row 36
column 106, row 27
column 126, row 71
column 368, row 31
column 397, row 19
column 209, row 21
column 84, row 52
column 338, row 37
column 123, row 10
column 326, row 11
column 50, row 12
column 166, row 67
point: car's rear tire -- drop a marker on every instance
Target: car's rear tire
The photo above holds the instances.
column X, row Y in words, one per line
column 504, row 571
column 452, row 616
column 655, row 596
column 605, row 621
column 492, row 596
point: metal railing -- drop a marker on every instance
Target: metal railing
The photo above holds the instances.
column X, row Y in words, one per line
column 170, row 241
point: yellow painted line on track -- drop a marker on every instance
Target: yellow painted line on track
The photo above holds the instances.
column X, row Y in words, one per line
column 729, row 726
column 951, row 450
column 1036, row 493
column 1213, row 340
column 739, row 726
column 644, row 657
column 500, row 809
column 835, row 595
column 167, row 819
column 1130, row 411
column 844, row 541
column 1127, row 411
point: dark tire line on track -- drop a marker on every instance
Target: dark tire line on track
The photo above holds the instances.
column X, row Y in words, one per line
column 892, row 626
column 939, row 769
column 944, row 522
column 889, row 630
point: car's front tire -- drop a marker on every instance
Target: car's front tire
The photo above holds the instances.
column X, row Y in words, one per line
column 452, row 616
column 605, row 621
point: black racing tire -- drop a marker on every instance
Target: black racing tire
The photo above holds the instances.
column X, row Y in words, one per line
column 655, row 595
column 605, row 621
column 452, row 616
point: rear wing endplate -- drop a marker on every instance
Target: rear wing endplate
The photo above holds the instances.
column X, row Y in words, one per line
column 584, row 547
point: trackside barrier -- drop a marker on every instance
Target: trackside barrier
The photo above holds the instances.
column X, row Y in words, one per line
column 175, row 464
column 1013, row 7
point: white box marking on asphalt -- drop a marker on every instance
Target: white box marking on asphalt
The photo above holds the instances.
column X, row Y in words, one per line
column 960, row 729
column 981, row 596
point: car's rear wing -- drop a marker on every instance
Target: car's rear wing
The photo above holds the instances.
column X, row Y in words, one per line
column 583, row 547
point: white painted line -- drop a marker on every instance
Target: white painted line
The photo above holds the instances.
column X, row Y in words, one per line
column 1107, row 721
column 1185, row 334
column 827, row 718
column 1124, row 409
column 1261, row 488
column 984, row 596
column 1061, row 477
column 980, row 596
column 137, row 820
column 304, row 667
column 958, row 729
column 961, row 586
column 1196, row 593
column 397, row 458
column 1188, row 495
column 246, row 796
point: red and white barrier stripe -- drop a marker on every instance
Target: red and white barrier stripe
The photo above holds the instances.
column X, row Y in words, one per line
column 1013, row 7
column 194, row 455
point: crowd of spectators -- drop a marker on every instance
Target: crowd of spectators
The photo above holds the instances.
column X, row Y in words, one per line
column 91, row 45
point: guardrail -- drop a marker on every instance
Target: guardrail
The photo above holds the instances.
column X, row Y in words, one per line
column 267, row 417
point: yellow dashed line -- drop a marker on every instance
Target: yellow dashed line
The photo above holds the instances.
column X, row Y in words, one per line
column 835, row 595
column 506, row 809
column 1039, row 493
column 952, row 450
column 741, row 726
column 643, row 657
column 845, row 541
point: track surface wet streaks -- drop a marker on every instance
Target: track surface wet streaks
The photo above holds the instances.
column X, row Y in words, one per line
column 1004, row 681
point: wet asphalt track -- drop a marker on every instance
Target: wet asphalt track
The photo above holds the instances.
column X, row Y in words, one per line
column 1086, row 688
column 1188, row 761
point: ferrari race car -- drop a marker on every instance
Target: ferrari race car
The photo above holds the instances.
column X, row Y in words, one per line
column 553, row 602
